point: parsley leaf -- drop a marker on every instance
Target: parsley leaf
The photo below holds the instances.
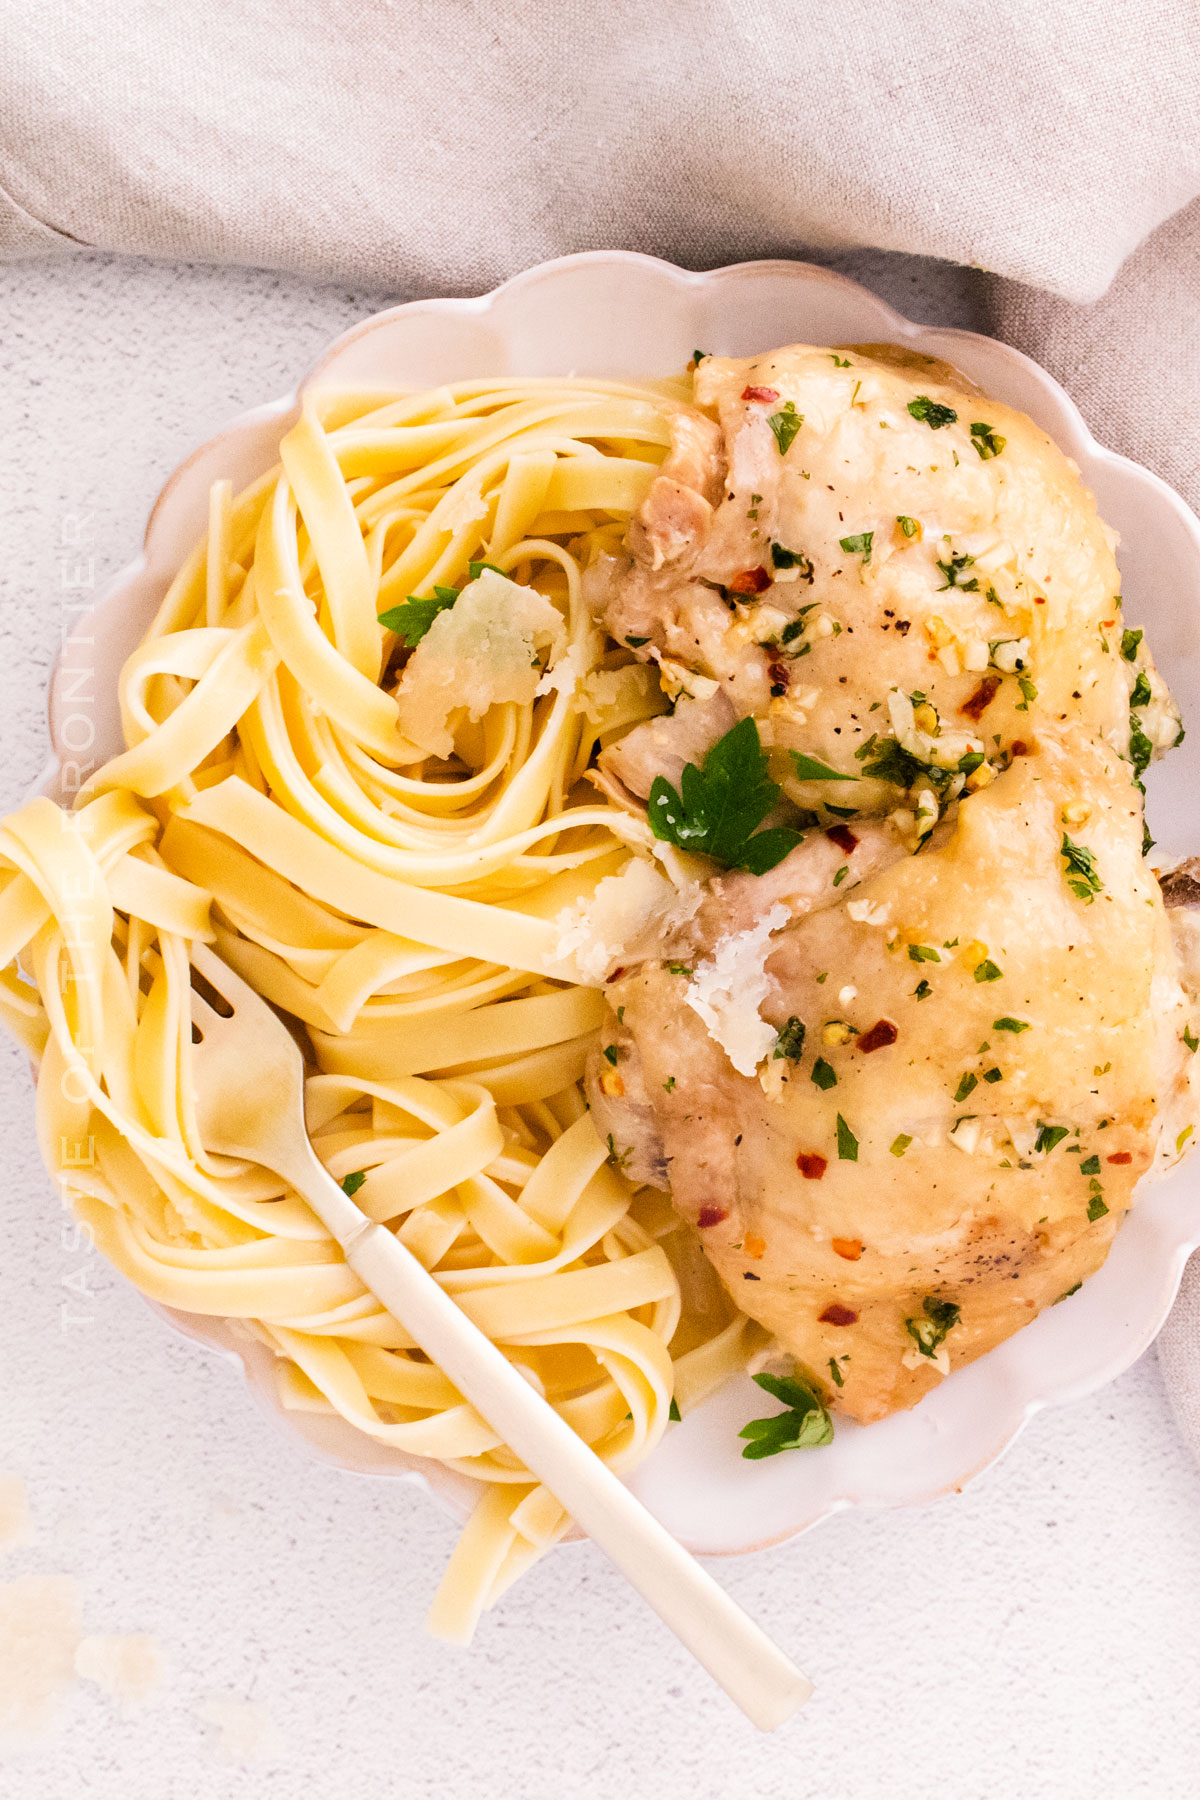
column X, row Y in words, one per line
column 1141, row 750
column 804, row 1426
column 847, row 1143
column 1129, row 644
column 822, row 1074
column 986, row 441
column 1091, row 1166
column 720, row 806
column 789, row 1041
column 1190, row 1039
column 1048, row 1136
column 987, row 971
column 1082, row 878
column 835, row 1373
column 412, row 619
column 808, row 768
column 900, row 1144
column 673, row 1412
column 841, row 362
column 858, row 545
column 785, row 424
column 922, row 990
column 611, row 1054
column 931, row 412
column 908, row 526
column 351, row 1183
column 929, row 1333
column 1141, row 695
column 923, row 953
column 966, row 1086
column 475, row 569
column 1013, row 1025
column 1096, row 1208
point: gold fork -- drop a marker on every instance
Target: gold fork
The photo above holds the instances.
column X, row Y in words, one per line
column 249, row 1077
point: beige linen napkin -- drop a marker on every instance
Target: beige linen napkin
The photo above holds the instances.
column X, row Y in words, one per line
column 436, row 146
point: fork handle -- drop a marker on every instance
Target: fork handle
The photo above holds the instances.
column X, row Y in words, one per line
column 753, row 1671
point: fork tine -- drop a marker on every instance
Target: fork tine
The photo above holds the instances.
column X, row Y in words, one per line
column 219, row 976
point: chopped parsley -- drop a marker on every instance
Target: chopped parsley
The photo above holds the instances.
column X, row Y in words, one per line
column 1082, row 878
column 1141, row 750
column 986, row 441
column 841, row 362
column 475, row 569
column 841, row 875
column 1048, row 1136
column 635, row 643
column 673, row 1412
column 922, row 990
column 720, row 805
column 1069, row 1292
column 987, row 971
column 1141, row 695
column 792, row 559
column 611, row 1054
column 1091, row 1166
column 412, row 619
column 809, row 768
column 1129, row 644
column 847, row 1143
column 804, row 1426
column 823, row 1077
column 618, row 1158
column 785, row 424
column 992, row 1076
column 835, row 1374
column 352, row 1183
column 929, row 1333
column 884, row 759
column 1028, row 693
column 924, row 953
column 789, row 1041
column 1096, row 1208
column 679, row 968
column 952, row 568
column 931, row 412
column 900, row 1144
column 858, row 545
column 698, row 356
column 669, row 1083
column 1189, row 1038
column 966, row 1086
column 909, row 527
column 1013, row 1025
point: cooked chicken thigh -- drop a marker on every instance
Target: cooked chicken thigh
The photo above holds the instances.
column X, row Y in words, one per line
column 905, row 1082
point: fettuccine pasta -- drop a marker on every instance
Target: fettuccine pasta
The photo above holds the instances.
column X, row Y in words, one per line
column 387, row 831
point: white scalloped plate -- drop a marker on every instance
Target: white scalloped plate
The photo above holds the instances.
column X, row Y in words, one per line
column 618, row 314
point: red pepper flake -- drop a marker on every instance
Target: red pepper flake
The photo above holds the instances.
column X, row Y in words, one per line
column 711, row 1215
column 616, row 974
column 982, row 698
column 1020, row 747
column 843, row 837
column 750, row 581
column 810, row 1165
column 881, row 1034
column 1122, row 1156
column 780, row 679
column 760, row 393
column 837, row 1314
column 848, row 1248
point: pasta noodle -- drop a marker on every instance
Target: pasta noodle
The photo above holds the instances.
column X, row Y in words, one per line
column 385, row 840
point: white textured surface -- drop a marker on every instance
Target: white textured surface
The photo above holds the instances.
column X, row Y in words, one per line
column 1037, row 1637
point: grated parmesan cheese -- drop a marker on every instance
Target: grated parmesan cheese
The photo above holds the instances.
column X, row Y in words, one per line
column 727, row 990
column 595, row 931
column 477, row 654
